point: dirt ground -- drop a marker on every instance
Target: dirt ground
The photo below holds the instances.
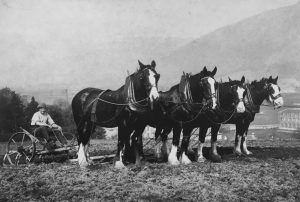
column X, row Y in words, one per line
column 272, row 173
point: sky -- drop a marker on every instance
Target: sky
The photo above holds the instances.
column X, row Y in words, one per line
column 47, row 42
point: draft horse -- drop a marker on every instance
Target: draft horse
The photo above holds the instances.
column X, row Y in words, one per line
column 257, row 92
column 118, row 108
column 181, row 104
column 230, row 99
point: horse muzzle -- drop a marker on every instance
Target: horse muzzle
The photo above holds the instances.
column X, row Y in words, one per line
column 278, row 103
column 211, row 104
column 153, row 95
column 240, row 108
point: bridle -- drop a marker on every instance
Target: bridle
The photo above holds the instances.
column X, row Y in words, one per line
column 237, row 101
column 149, row 86
column 269, row 90
column 207, row 100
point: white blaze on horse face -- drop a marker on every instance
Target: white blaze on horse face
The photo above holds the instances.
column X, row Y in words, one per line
column 153, row 95
column 240, row 107
column 212, row 82
column 278, row 102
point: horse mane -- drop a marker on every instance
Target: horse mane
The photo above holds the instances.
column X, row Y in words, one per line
column 262, row 81
column 231, row 83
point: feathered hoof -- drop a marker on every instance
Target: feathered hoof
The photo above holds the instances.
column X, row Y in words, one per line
column 201, row 159
column 247, row 153
column 185, row 160
column 173, row 161
column 215, row 157
column 119, row 165
column 237, row 152
column 83, row 164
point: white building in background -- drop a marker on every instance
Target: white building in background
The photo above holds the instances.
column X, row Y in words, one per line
column 289, row 119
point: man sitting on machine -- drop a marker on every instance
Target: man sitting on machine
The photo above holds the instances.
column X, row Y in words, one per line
column 43, row 126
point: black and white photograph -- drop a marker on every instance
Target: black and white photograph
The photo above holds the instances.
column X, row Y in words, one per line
column 145, row 100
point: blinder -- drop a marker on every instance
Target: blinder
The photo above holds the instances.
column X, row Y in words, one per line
column 235, row 102
column 270, row 91
column 203, row 81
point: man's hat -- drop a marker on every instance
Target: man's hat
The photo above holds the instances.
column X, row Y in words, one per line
column 42, row 105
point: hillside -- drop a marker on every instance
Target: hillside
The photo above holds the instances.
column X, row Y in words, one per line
column 262, row 45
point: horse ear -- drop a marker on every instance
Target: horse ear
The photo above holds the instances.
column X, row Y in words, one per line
column 153, row 64
column 275, row 80
column 214, row 71
column 204, row 69
column 229, row 79
column 270, row 78
column 243, row 80
column 141, row 64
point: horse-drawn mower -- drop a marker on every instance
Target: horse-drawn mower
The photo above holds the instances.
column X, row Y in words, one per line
column 24, row 147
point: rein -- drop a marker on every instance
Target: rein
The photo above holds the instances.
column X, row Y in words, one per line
column 132, row 103
column 186, row 95
column 233, row 112
column 222, row 110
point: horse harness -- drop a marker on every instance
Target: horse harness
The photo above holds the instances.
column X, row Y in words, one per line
column 132, row 103
column 253, row 108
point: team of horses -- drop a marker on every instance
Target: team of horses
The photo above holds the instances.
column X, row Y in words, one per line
column 197, row 101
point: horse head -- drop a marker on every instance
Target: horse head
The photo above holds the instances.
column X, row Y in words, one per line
column 238, row 90
column 146, row 79
column 273, row 91
column 208, row 87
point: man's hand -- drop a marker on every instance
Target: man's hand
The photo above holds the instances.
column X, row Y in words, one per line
column 56, row 127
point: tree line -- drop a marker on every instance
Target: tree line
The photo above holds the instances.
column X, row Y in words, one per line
column 16, row 112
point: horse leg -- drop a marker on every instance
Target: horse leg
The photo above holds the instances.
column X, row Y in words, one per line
column 172, row 158
column 128, row 154
column 238, row 138
column 184, row 159
column 123, row 136
column 158, row 139
column 138, row 144
column 164, row 139
column 215, row 157
column 244, row 141
column 84, row 134
column 202, row 135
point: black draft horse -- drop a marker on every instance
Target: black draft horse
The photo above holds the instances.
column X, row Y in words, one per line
column 257, row 92
column 107, row 108
column 230, row 101
column 182, row 103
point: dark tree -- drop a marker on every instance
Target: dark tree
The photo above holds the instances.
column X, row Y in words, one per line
column 11, row 112
column 30, row 110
